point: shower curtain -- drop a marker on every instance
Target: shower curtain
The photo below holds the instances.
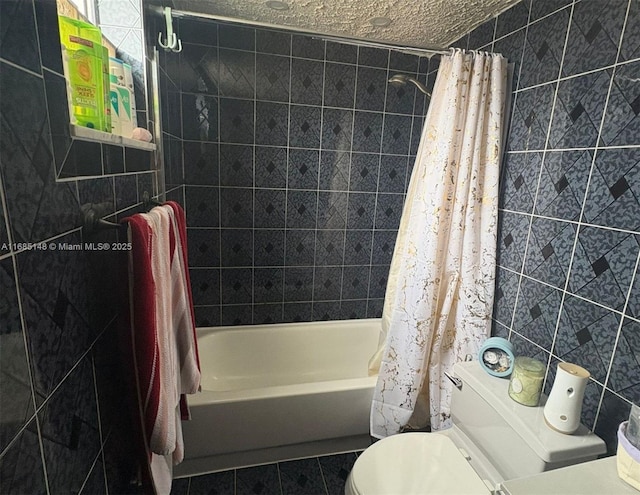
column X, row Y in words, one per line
column 440, row 288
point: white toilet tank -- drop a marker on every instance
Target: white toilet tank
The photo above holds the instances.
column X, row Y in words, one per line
column 513, row 437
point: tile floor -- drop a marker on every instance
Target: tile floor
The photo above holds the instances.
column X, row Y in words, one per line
column 314, row 476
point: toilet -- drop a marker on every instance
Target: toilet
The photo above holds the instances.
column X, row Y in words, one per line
column 493, row 439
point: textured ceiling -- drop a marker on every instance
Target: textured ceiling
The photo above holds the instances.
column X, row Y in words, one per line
column 414, row 23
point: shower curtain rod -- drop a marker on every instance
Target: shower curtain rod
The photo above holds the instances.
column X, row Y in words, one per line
column 428, row 52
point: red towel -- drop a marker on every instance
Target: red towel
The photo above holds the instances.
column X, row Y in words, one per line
column 163, row 337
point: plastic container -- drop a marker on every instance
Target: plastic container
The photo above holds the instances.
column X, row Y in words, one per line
column 526, row 380
column 627, row 459
column 83, row 66
column 124, row 125
column 496, row 356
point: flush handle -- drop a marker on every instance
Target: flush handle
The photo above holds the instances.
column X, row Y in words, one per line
column 455, row 380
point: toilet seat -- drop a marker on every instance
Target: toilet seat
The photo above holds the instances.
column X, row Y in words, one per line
column 413, row 464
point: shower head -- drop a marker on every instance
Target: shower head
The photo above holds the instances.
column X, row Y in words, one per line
column 402, row 79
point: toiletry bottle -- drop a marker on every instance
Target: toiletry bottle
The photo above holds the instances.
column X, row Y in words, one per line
column 82, row 61
column 128, row 80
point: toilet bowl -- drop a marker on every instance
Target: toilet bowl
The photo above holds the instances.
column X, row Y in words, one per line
column 414, row 463
column 493, row 439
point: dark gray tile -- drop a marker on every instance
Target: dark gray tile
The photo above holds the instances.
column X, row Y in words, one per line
column 603, row 264
column 268, row 247
column 307, row 47
column 355, row 309
column 625, row 370
column 505, row 295
column 236, row 165
column 549, row 251
column 236, row 207
column 215, row 484
column 388, row 210
column 630, row 45
column 361, row 210
column 298, row 286
column 273, row 42
column 370, row 89
column 373, row 57
column 202, row 163
column 258, row 479
column 270, row 167
column 269, row 208
column 614, row 189
column 237, row 286
column 14, row 372
column 326, row 310
column 205, row 286
column 198, row 70
column 329, row 247
column 238, row 118
column 267, row 313
column 482, row 35
column 268, row 285
column 21, row 468
column 541, row 8
column 530, row 121
column 272, row 77
column 367, row 131
column 236, row 247
column 594, row 35
column 621, row 123
column 355, row 282
column 332, row 210
column 18, row 37
column 201, row 206
column 393, row 173
column 364, row 172
column 614, row 411
column 401, row 99
column 579, row 109
column 334, row 170
column 512, row 238
column 336, row 129
column 300, row 247
column 302, row 171
column 204, row 247
column 519, row 181
column 272, row 123
column 383, row 245
column 586, row 336
column 396, row 134
column 357, row 248
column 200, row 117
column 339, row 85
column 301, row 209
column 378, row 281
column 304, row 126
column 307, row 77
column 563, row 184
column 341, row 52
column 513, row 19
column 239, row 37
column 537, row 312
column 335, row 470
column 297, row 312
column 208, row 316
column 70, row 431
column 301, row 477
column 327, row 283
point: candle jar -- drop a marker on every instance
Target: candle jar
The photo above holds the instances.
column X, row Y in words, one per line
column 633, row 428
column 525, row 384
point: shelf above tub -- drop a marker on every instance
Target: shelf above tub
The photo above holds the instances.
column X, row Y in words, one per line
column 93, row 135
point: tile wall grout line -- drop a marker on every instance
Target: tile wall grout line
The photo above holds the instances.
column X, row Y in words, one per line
column 591, row 171
column 577, row 296
column 219, row 135
column 253, row 173
column 524, row 255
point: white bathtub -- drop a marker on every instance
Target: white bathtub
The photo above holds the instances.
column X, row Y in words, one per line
column 276, row 392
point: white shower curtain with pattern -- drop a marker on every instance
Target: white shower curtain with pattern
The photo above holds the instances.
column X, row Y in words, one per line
column 440, row 289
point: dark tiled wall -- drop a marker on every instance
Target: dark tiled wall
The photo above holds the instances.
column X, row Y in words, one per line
column 568, row 284
column 296, row 157
column 63, row 428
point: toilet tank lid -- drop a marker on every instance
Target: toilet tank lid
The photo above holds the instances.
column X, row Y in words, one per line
column 528, row 422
